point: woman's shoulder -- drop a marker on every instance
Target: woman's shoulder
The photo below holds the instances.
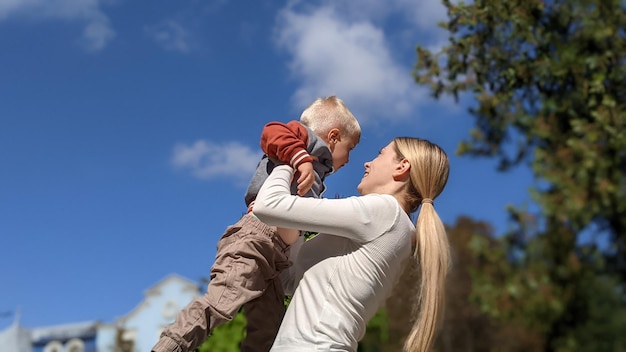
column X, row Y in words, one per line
column 386, row 202
column 387, row 213
column 381, row 204
column 379, row 198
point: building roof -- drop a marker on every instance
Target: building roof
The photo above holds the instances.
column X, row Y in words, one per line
column 155, row 290
column 188, row 284
column 83, row 330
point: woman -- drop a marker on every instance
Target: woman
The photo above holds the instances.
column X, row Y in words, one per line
column 346, row 272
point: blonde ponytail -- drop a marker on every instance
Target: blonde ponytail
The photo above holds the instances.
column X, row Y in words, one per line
column 432, row 254
column 429, row 175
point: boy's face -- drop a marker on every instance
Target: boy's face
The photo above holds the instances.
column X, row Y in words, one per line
column 341, row 149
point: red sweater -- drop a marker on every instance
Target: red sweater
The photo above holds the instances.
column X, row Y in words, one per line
column 286, row 142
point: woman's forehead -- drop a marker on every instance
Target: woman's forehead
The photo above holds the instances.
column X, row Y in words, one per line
column 388, row 146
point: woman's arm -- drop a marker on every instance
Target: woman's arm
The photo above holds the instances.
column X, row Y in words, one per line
column 359, row 218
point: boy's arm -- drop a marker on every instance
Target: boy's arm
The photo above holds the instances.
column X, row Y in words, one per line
column 287, row 143
column 289, row 236
column 306, row 177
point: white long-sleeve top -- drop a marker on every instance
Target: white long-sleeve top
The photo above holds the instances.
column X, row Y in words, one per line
column 346, row 272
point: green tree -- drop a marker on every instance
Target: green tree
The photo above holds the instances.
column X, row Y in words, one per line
column 376, row 337
column 549, row 83
column 548, row 86
column 226, row 337
column 577, row 307
column 468, row 324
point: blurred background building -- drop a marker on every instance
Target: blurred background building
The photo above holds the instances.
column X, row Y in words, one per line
column 138, row 330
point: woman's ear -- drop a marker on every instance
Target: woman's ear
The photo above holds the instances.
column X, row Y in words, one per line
column 402, row 170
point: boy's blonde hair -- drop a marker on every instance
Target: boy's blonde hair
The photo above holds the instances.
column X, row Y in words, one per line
column 331, row 112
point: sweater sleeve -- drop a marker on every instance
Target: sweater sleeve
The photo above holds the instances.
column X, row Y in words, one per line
column 286, row 142
column 361, row 219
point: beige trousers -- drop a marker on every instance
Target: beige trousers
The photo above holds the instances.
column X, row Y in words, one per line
column 250, row 257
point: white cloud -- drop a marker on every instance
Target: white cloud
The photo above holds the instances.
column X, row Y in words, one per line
column 343, row 48
column 171, row 35
column 97, row 33
column 182, row 30
column 207, row 160
column 424, row 14
column 395, row 15
column 415, row 13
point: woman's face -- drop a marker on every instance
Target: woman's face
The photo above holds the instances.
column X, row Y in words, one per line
column 379, row 172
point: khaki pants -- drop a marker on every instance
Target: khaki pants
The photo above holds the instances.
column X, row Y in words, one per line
column 249, row 259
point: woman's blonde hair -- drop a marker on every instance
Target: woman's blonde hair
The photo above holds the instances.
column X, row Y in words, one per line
column 331, row 112
column 429, row 175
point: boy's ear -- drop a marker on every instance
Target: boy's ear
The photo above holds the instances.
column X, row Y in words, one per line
column 333, row 136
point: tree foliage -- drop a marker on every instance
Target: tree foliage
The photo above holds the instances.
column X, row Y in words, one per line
column 469, row 324
column 549, row 82
column 226, row 337
column 472, row 301
column 569, row 304
column 546, row 82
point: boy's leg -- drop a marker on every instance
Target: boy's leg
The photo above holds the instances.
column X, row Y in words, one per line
column 234, row 281
column 264, row 316
column 265, row 313
column 190, row 329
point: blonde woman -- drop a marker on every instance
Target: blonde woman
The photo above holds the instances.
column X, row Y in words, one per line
column 346, row 272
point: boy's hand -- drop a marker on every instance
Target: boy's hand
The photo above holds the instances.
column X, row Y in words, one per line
column 306, row 177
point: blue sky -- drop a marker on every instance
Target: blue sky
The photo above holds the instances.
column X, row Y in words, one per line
column 129, row 129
